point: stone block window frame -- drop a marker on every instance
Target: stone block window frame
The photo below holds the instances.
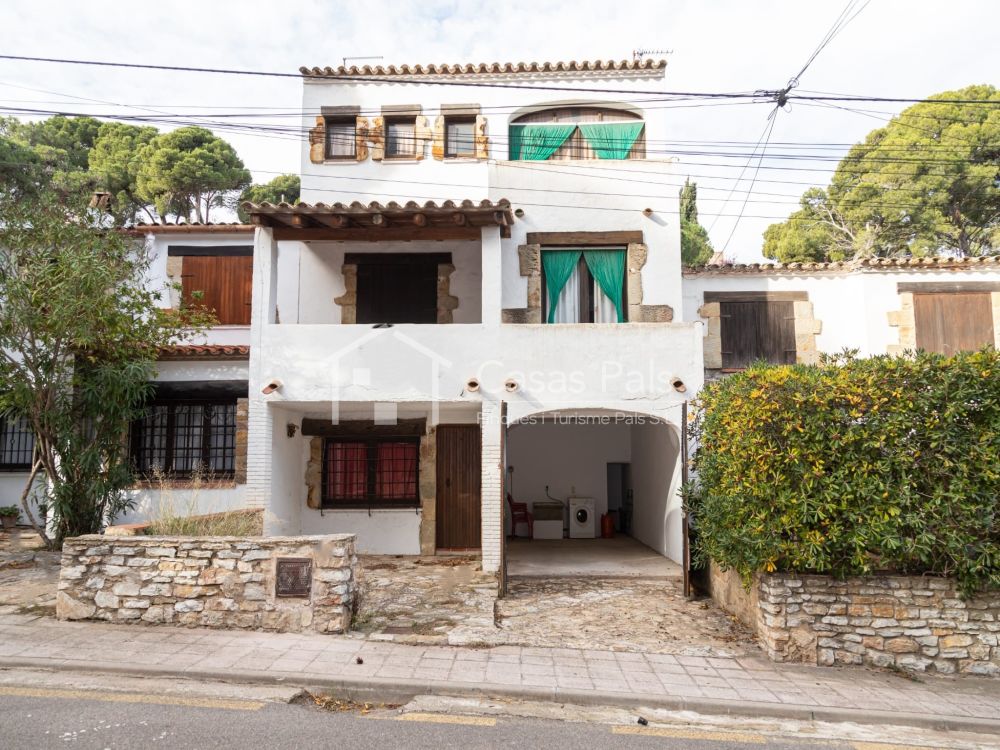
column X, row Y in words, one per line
column 636, row 254
column 447, row 303
column 806, row 327
column 167, row 436
column 340, row 138
column 391, row 480
column 17, row 444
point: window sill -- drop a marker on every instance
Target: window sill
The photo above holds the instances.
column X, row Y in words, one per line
column 401, row 159
column 352, row 160
column 470, row 159
column 367, row 508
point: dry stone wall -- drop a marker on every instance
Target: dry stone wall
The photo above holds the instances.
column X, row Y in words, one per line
column 221, row 582
column 915, row 623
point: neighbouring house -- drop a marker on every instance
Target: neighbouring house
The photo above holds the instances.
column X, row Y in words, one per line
column 481, row 294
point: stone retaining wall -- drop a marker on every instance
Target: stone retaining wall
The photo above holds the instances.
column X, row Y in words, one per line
column 916, row 623
column 222, row 582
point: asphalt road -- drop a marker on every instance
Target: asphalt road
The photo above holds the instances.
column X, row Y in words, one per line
column 32, row 717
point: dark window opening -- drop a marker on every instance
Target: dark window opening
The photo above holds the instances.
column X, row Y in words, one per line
column 183, row 438
column 459, row 137
column 341, row 138
column 757, row 330
column 581, row 299
column 362, row 472
column 401, row 288
column 400, row 138
column 17, row 444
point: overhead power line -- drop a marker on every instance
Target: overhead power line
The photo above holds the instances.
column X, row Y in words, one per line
column 478, row 84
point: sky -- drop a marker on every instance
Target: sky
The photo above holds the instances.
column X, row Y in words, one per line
column 893, row 48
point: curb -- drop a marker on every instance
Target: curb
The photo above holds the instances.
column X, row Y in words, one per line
column 403, row 690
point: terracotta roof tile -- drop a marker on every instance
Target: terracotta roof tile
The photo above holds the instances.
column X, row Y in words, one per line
column 485, row 69
column 205, row 351
column 942, row 262
column 181, row 227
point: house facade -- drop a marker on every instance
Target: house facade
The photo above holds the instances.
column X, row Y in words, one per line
column 481, row 296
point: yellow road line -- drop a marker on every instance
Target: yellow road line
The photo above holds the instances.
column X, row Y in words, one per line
column 164, row 700
column 473, row 721
column 891, row 746
column 691, row 734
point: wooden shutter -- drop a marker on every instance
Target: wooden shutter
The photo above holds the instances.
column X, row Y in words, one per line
column 397, row 292
column 757, row 330
column 950, row 322
column 225, row 284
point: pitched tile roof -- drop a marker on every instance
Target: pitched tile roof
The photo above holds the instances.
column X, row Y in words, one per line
column 485, row 69
column 356, row 214
column 864, row 264
column 179, row 227
column 204, row 351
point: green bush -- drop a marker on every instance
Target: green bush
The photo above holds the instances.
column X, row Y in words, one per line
column 853, row 466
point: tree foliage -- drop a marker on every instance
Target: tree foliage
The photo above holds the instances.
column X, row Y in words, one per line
column 853, row 467
column 188, row 172
column 285, row 188
column 696, row 247
column 79, row 334
column 926, row 183
column 114, row 161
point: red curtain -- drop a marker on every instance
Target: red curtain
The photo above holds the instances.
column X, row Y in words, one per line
column 347, row 471
column 396, row 471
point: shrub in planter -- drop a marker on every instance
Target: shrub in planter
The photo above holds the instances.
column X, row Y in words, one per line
column 8, row 516
column 853, row 466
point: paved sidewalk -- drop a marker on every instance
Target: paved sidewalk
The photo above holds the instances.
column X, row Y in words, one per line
column 744, row 685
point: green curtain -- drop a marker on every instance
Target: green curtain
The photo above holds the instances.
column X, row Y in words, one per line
column 611, row 140
column 608, row 269
column 558, row 266
column 536, row 142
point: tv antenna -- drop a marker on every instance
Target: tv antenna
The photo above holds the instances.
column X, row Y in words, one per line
column 362, row 57
column 638, row 54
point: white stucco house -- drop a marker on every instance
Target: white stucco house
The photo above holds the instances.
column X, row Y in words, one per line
column 480, row 296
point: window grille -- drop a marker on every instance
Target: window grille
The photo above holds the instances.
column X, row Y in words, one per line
column 366, row 472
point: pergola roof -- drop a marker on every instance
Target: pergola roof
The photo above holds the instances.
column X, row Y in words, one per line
column 342, row 219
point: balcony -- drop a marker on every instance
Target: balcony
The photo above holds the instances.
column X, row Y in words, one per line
column 582, row 365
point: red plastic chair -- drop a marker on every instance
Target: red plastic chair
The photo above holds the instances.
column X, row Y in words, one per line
column 519, row 513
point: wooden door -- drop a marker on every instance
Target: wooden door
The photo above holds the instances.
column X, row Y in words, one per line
column 951, row 322
column 459, row 507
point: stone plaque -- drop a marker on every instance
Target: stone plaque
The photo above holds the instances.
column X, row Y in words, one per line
column 293, row 576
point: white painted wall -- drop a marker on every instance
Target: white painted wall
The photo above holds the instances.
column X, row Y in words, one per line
column 389, row 531
column 157, row 280
column 11, row 486
column 154, row 503
column 657, row 511
column 853, row 307
column 288, row 484
column 571, row 459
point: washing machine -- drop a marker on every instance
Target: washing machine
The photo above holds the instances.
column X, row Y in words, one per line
column 582, row 520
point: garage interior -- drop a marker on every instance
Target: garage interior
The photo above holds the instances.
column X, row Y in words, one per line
column 593, row 494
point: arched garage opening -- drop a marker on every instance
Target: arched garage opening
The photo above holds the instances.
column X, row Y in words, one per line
column 594, row 492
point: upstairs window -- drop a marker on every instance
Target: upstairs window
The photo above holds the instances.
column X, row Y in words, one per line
column 577, row 133
column 401, row 138
column 584, row 286
column 219, row 278
column 181, row 438
column 459, row 137
column 17, row 444
column 341, row 138
column 366, row 471
column 950, row 322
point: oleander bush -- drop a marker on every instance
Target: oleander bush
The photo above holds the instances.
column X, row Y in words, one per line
column 852, row 467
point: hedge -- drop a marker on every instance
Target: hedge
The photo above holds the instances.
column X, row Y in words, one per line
column 852, row 467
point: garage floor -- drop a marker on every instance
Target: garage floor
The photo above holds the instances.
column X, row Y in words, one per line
column 621, row 557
